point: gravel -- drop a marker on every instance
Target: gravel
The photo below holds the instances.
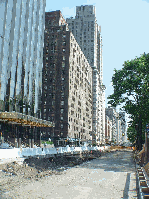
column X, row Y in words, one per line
column 67, row 177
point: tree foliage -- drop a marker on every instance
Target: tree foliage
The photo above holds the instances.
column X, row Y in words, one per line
column 131, row 133
column 131, row 91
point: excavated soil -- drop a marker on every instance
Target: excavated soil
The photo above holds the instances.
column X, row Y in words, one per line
column 34, row 169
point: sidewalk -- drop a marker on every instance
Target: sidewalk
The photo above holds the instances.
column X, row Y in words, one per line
column 132, row 193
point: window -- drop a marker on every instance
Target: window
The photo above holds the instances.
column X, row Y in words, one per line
column 64, row 43
column 61, row 126
column 62, row 102
column 63, row 64
column 62, row 110
column 63, row 57
column 64, row 49
column 61, row 118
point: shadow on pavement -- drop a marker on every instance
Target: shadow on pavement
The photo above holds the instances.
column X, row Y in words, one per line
column 117, row 161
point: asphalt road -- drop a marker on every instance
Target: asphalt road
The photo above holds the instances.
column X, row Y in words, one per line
column 111, row 176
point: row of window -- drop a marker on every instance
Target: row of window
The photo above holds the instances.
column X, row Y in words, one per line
column 91, row 23
column 51, row 110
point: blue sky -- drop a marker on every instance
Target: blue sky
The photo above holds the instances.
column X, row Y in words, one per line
column 124, row 27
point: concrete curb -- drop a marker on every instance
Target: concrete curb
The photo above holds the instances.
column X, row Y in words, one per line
column 132, row 193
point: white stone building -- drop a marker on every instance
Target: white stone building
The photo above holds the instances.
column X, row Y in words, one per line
column 88, row 35
column 80, row 93
column 108, row 129
column 118, row 134
column 123, row 135
column 112, row 114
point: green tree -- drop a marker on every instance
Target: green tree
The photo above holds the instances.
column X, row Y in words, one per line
column 131, row 91
column 131, row 133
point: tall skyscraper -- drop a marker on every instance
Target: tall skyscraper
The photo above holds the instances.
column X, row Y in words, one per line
column 21, row 60
column 88, row 35
column 123, row 135
column 113, row 116
column 67, row 82
column 108, row 129
column 21, row 55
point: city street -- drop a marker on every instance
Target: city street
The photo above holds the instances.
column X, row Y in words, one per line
column 111, row 176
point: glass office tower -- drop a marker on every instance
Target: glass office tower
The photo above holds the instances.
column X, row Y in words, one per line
column 21, row 55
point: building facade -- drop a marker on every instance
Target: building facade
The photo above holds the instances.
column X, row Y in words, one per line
column 119, row 130
column 122, row 117
column 67, row 82
column 108, row 129
column 112, row 114
column 118, row 133
column 88, row 35
column 21, row 62
column 21, row 55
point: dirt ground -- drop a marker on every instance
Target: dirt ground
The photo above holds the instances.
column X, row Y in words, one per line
column 34, row 169
column 69, row 178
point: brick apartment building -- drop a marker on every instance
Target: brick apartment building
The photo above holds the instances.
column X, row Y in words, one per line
column 67, row 82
